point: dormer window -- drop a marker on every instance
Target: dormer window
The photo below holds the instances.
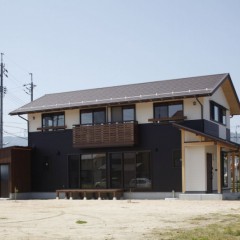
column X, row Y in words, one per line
column 217, row 113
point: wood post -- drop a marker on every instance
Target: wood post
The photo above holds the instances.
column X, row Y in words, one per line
column 233, row 172
column 219, row 180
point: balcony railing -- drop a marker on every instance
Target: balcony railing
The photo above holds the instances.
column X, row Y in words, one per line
column 167, row 119
column 105, row 135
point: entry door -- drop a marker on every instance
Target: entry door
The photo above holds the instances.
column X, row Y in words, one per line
column 209, row 173
column 4, row 179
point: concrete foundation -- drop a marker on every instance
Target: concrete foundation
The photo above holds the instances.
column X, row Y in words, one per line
column 139, row 195
column 200, row 196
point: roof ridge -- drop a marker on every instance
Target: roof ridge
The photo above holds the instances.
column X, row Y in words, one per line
column 141, row 83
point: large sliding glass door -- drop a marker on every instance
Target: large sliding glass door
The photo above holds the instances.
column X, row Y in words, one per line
column 4, row 180
column 87, row 171
column 129, row 168
column 122, row 170
column 116, row 170
column 93, row 171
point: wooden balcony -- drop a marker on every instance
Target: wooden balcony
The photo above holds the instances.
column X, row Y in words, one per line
column 105, row 135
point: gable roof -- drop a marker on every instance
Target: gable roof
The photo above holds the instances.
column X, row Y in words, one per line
column 233, row 145
column 141, row 92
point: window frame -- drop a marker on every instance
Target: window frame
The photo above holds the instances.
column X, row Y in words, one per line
column 123, row 165
column 53, row 127
column 124, row 107
column 167, row 104
column 92, row 171
column 92, row 111
column 221, row 116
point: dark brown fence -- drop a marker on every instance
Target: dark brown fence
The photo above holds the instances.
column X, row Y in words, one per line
column 105, row 135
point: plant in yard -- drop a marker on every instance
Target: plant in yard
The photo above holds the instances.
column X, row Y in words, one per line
column 80, row 222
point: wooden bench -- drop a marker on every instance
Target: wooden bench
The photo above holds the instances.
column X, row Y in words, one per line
column 69, row 192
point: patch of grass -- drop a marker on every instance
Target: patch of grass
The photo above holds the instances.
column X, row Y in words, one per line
column 80, row 222
column 232, row 232
column 3, row 218
column 200, row 218
column 226, row 227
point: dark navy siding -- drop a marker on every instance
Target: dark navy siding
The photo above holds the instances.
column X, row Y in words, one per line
column 52, row 148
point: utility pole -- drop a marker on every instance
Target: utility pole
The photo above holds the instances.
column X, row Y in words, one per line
column 30, row 89
column 2, row 92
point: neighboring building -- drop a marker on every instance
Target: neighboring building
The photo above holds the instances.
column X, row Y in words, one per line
column 156, row 137
column 15, row 170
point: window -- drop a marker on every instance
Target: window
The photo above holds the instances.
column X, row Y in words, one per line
column 123, row 170
column 130, row 170
column 168, row 110
column 123, row 113
column 93, row 171
column 224, row 167
column 217, row 113
column 53, row 121
column 93, row 116
column 116, row 170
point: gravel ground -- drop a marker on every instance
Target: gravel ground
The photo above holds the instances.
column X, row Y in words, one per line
column 105, row 219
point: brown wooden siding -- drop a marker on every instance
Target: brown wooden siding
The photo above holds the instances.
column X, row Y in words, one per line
column 105, row 135
column 19, row 161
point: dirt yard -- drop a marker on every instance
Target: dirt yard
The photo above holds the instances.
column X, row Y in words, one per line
column 106, row 219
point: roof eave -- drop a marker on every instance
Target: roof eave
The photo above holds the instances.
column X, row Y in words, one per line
column 19, row 112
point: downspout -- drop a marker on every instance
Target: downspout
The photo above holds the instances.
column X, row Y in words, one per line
column 27, row 126
column 201, row 107
column 203, row 127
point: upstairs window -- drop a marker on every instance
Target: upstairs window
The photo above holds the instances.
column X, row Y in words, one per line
column 217, row 113
column 93, row 116
column 168, row 110
column 53, row 121
column 123, row 113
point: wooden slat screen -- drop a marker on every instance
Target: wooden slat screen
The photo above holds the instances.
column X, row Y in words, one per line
column 105, row 135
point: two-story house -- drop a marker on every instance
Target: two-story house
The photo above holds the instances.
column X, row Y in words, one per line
column 152, row 137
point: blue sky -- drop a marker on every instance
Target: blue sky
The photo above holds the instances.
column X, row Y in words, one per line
column 76, row 44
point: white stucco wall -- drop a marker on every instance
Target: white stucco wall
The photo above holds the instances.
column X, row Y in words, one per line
column 195, row 169
column 144, row 111
column 218, row 97
column 35, row 121
column 72, row 117
column 192, row 109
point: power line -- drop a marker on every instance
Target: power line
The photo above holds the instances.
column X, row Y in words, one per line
column 9, row 126
column 18, row 65
column 12, row 134
column 16, row 98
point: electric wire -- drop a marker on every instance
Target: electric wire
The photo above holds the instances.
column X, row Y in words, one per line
column 14, row 134
column 17, row 64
